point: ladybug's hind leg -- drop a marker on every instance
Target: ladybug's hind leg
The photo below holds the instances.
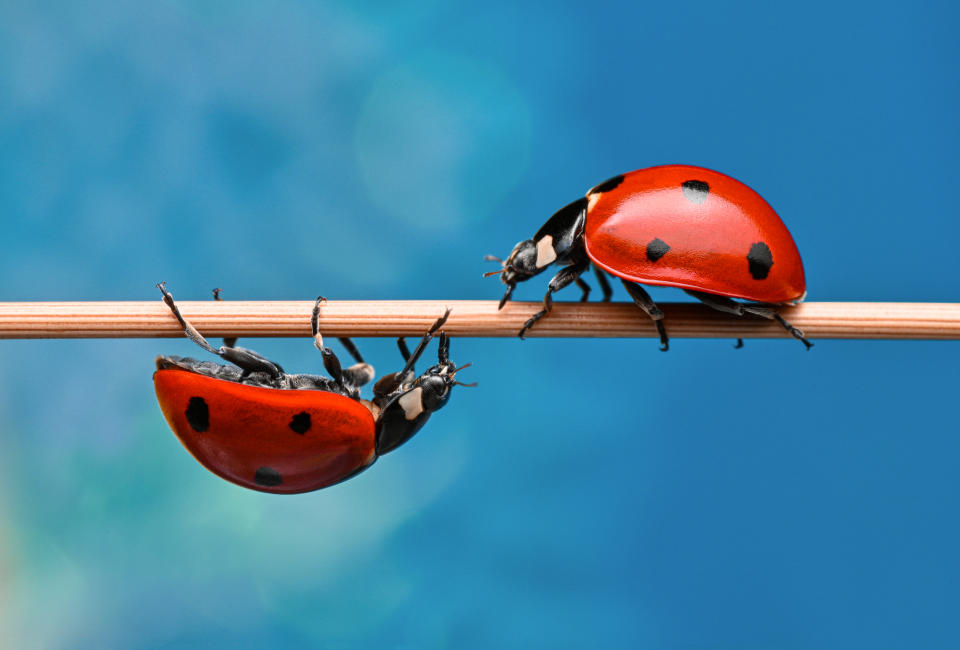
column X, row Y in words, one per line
column 247, row 360
column 643, row 300
column 729, row 306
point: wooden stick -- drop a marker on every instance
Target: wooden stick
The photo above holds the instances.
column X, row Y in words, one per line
column 820, row 320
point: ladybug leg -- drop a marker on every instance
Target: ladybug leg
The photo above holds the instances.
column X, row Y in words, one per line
column 724, row 304
column 188, row 329
column 361, row 373
column 404, row 350
column 585, row 288
column 389, row 384
column 228, row 341
column 604, row 283
column 643, row 300
column 775, row 315
column 443, row 349
column 247, row 360
column 720, row 303
column 330, row 360
column 506, row 295
column 563, row 278
column 351, row 348
column 413, row 358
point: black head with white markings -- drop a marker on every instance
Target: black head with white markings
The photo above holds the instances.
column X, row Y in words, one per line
column 407, row 403
column 559, row 240
column 521, row 265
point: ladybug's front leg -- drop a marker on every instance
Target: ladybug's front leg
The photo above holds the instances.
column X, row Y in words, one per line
column 643, row 300
column 564, row 277
column 404, row 350
column 388, row 384
column 411, row 359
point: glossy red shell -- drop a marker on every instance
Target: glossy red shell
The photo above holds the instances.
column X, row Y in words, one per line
column 246, row 433
column 710, row 234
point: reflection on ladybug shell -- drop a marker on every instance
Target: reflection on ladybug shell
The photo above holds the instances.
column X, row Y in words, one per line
column 267, row 439
column 693, row 228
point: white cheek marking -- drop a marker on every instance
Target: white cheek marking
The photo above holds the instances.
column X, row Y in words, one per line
column 545, row 253
column 411, row 403
column 592, row 201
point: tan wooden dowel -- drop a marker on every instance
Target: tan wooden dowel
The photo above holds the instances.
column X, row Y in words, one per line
column 819, row 320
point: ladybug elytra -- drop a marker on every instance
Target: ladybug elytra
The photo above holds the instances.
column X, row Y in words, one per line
column 672, row 225
column 264, row 429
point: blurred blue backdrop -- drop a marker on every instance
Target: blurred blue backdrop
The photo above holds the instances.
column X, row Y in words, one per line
column 590, row 493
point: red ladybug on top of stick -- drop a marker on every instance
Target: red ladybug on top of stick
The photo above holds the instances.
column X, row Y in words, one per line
column 673, row 225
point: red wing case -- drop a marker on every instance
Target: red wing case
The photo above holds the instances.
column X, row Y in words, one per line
column 693, row 228
column 271, row 440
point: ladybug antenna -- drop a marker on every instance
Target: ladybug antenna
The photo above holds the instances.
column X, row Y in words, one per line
column 498, row 271
column 492, row 258
column 460, row 383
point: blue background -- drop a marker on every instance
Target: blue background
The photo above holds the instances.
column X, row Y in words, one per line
column 589, row 493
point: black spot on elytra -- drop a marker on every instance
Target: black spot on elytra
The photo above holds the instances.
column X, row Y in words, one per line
column 760, row 260
column 198, row 415
column 300, row 423
column 657, row 249
column 607, row 185
column 267, row 476
column 696, row 191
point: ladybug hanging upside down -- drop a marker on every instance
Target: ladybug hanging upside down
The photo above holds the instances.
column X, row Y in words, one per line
column 260, row 427
column 676, row 226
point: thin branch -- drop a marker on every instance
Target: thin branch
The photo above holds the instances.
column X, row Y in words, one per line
column 820, row 320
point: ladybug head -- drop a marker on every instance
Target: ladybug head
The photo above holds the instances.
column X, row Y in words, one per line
column 438, row 380
column 521, row 265
column 410, row 405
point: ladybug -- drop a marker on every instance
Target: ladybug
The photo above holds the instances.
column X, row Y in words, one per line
column 264, row 429
column 672, row 225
